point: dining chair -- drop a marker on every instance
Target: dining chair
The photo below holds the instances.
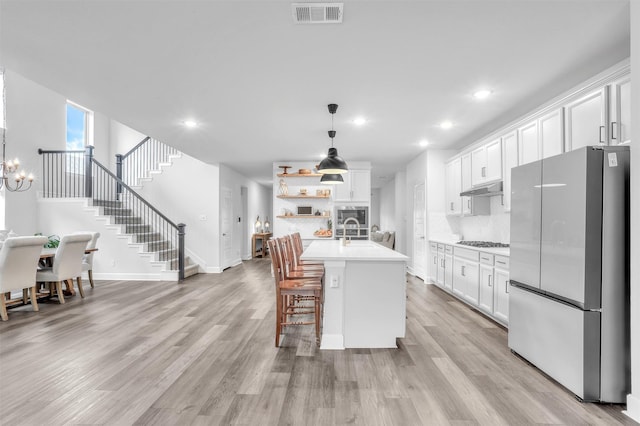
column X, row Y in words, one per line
column 288, row 294
column 87, row 259
column 67, row 264
column 19, row 258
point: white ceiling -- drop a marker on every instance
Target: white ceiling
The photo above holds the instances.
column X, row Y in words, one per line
column 259, row 84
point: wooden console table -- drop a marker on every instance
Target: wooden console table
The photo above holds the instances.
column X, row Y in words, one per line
column 260, row 251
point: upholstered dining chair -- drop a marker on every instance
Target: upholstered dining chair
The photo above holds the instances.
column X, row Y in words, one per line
column 87, row 259
column 67, row 264
column 19, row 258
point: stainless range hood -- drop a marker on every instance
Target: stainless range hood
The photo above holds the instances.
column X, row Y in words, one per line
column 489, row 190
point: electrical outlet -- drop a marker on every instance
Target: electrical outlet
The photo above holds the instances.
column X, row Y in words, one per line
column 335, row 282
column 203, row 217
column 113, row 262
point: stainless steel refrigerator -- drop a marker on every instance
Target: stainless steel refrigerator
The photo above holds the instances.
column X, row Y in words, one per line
column 569, row 270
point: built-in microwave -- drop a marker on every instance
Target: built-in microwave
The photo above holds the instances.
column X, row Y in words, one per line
column 359, row 213
column 305, row 210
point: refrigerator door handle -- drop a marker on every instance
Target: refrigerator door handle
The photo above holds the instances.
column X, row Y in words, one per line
column 614, row 127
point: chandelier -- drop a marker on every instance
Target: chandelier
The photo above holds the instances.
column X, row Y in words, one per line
column 13, row 179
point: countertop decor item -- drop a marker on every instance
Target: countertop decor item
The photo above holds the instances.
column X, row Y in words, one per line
column 284, row 169
column 304, row 171
column 284, row 189
column 332, row 164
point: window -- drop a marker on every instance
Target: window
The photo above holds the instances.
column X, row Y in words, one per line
column 79, row 135
column 79, row 127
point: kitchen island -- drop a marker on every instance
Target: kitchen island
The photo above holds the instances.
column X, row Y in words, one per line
column 364, row 294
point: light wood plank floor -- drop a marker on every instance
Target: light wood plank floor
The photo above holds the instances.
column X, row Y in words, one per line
column 202, row 352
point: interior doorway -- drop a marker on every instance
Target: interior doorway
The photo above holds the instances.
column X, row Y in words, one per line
column 419, row 230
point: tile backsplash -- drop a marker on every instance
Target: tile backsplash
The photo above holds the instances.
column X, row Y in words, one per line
column 493, row 227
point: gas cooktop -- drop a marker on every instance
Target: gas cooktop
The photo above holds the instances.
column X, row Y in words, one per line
column 485, row 244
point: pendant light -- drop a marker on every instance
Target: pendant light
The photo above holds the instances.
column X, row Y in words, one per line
column 331, row 179
column 332, row 164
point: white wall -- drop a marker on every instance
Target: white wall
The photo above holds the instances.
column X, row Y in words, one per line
column 35, row 119
column 388, row 206
column 633, row 400
column 194, row 202
column 123, row 138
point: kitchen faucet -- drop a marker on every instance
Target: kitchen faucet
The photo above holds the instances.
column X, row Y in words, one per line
column 344, row 229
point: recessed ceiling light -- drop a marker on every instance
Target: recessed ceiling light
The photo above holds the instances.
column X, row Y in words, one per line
column 359, row 121
column 446, row 125
column 190, row 123
column 423, row 143
column 482, row 94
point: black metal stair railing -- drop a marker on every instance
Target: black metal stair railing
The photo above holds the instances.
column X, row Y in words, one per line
column 76, row 174
column 146, row 155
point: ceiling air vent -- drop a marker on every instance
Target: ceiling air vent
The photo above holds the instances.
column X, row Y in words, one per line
column 317, row 13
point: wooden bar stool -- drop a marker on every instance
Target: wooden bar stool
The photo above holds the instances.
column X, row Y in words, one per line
column 289, row 294
column 291, row 270
column 297, row 248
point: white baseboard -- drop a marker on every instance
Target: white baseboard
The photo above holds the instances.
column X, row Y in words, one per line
column 126, row 276
column 332, row 341
column 633, row 407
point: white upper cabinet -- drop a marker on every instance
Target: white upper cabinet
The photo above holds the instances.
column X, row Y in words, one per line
column 510, row 160
column 467, row 180
column 453, row 176
column 356, row 187
column 494, row 160
column 585, row 120
column 466, row 172
column 551, row 133
column 620, row 111
column 486, row 163
column 528, row 143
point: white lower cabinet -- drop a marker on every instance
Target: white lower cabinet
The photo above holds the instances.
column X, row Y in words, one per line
column 501, row 290
column 448, row 268
column 478, row 278
column 440, row 280
column 486, row 283
column 433, row 262
column 465, row 274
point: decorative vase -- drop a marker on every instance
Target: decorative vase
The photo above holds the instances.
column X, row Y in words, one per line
column 284, row 190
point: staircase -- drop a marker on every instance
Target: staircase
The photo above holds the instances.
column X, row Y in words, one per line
column 77, row 174
column 151, row 242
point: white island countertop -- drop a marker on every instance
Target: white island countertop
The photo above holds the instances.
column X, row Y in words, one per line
column 354, row 251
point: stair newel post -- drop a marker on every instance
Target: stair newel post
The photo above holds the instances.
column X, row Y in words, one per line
column 181, row 227
column 119, row 174
column 88, row 171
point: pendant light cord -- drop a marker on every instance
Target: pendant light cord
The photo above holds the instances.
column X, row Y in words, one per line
column 332, row 114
